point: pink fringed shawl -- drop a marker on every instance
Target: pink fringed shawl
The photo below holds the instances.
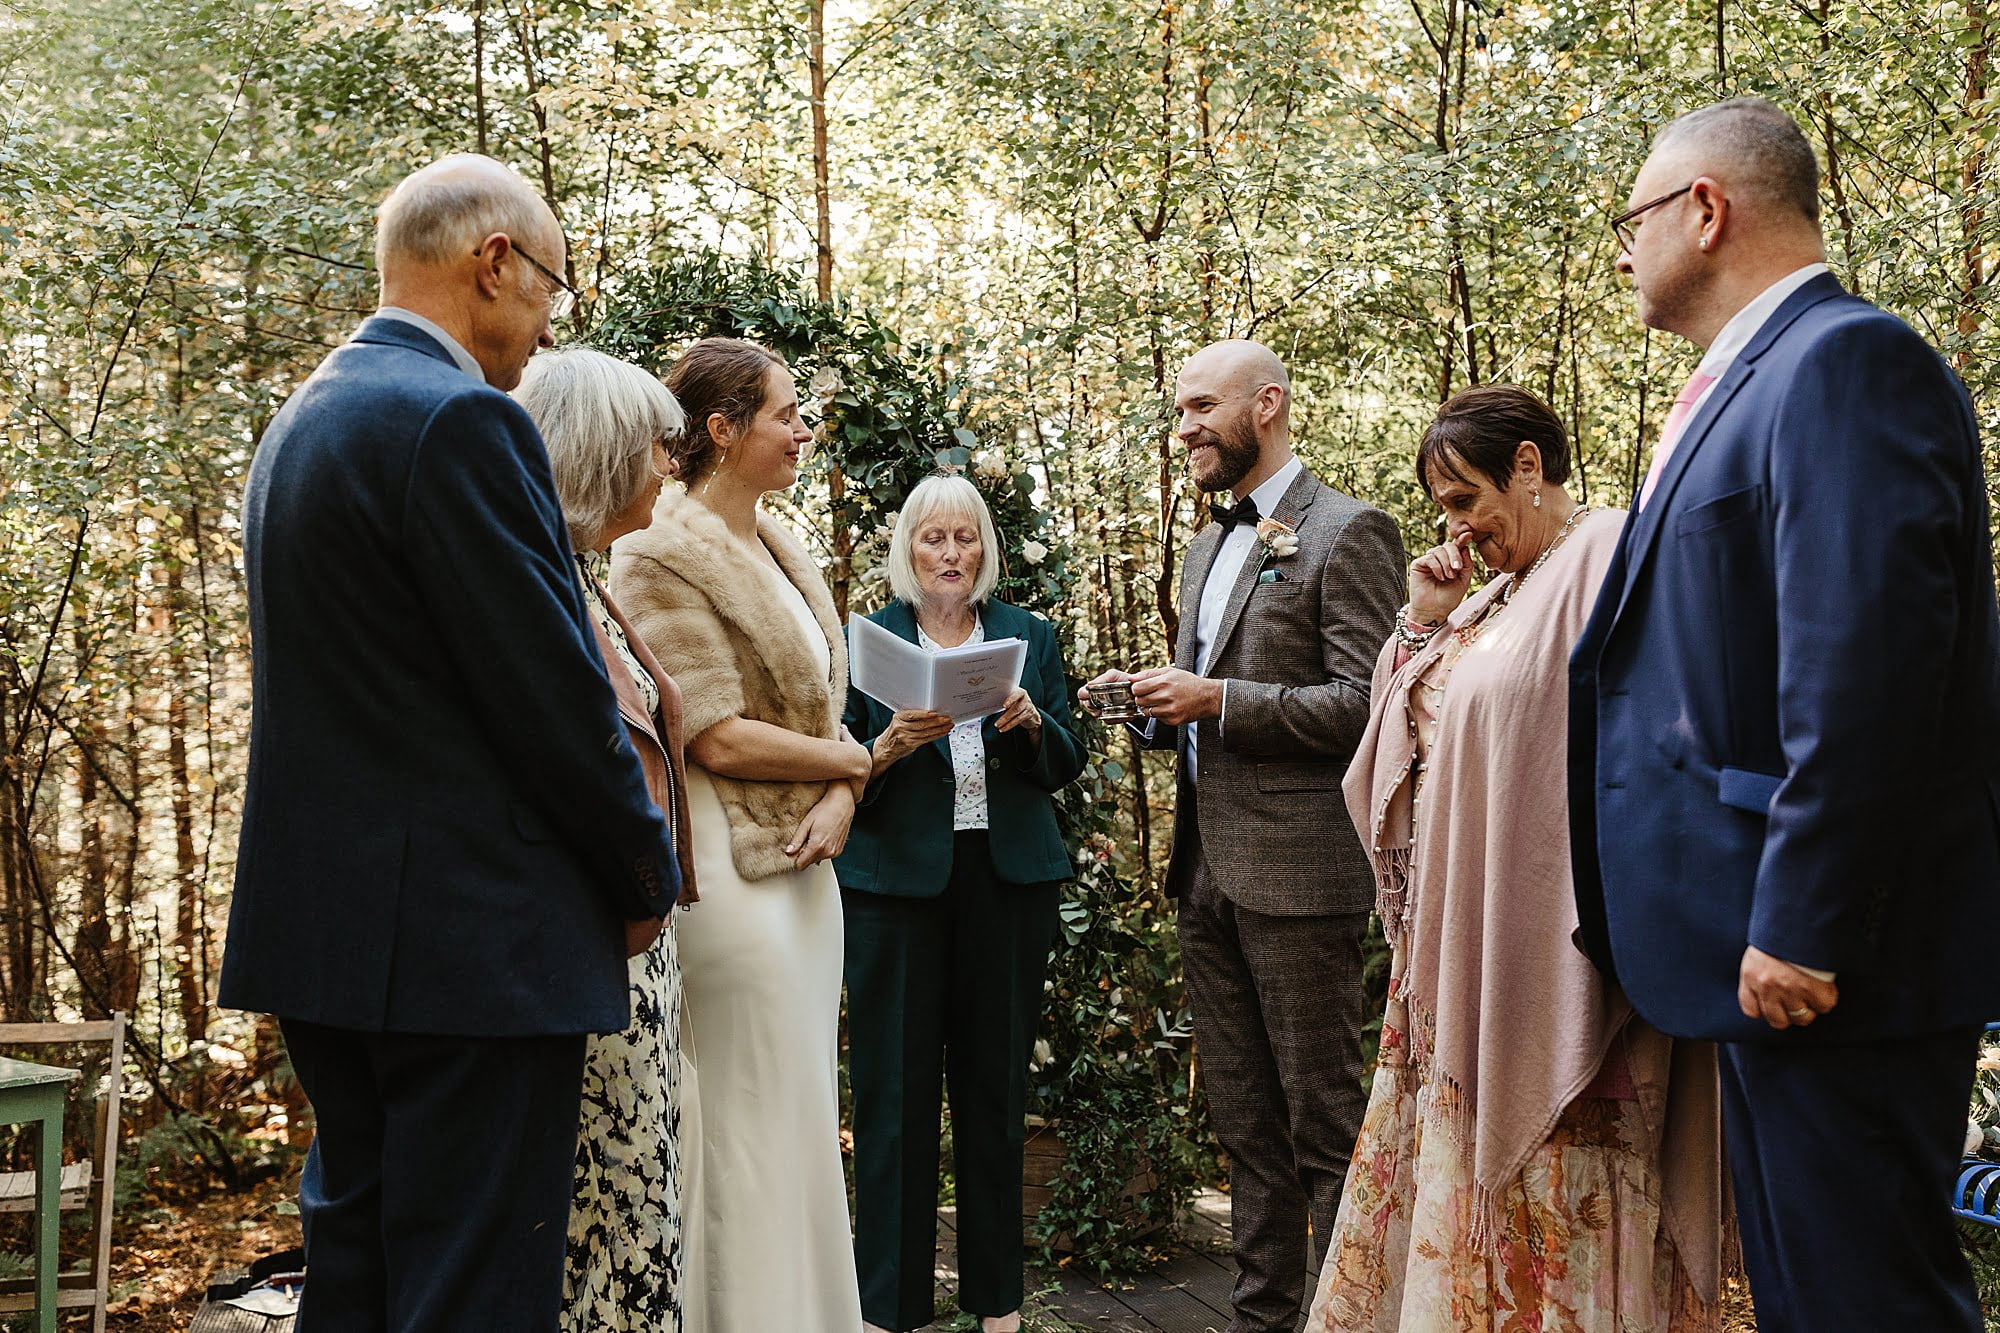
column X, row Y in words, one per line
column 1509, row 1021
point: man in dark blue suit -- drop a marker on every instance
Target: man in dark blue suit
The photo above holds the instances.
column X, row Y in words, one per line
column 448, row 849
column 1785, row 735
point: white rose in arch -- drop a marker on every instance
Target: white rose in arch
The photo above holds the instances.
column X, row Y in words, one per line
column 1042, row 1054
column 1034, row 552
column 825, row 384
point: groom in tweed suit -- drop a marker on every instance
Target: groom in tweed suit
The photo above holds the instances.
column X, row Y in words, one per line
column 1264, row 703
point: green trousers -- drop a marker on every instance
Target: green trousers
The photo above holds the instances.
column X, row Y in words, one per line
column 942, row 996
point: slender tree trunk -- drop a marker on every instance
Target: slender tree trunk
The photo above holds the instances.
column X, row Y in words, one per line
column 479, row 71
column 190, row 942
column 836, row 478
column 1830, row 141
column 1972, row 183
column 545, row 154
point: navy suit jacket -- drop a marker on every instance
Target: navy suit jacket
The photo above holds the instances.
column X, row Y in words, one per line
column 445, row 823
column 1785, row 709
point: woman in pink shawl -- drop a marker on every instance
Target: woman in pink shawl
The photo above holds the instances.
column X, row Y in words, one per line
column 1534, row 1156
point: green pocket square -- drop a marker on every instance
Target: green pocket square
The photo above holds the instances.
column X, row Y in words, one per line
column 1270, row 576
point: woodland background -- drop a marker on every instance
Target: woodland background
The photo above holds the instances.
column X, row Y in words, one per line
column 997, row 225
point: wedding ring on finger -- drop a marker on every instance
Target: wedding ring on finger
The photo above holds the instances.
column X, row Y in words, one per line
column 1799, row 1015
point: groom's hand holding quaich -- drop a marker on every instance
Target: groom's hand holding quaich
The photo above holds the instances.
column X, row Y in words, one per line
column 1177, row 697
column 1085, row 700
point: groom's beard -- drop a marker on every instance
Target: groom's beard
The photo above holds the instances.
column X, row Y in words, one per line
column 1236, row 453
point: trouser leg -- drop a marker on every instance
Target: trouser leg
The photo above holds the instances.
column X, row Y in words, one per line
column 1842, row 1157
column 1000, row 947
column 441, row 1192
column 1246, row 1110
column 340, row 1190
column 896, row 965
column 1307, row 973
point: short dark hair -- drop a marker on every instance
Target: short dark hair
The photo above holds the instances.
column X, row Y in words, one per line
column 726, row 375
column 1482, row 428
column 1758, row 136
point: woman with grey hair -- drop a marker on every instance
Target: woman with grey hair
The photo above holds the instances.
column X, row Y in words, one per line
column 949, row 884
column 607, row 424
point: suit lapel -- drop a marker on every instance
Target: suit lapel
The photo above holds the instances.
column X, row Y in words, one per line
column 1200, row 559
column 1289, row 510
column 1643, row 530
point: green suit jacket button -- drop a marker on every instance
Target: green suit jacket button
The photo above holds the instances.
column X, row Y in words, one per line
column 993, row 762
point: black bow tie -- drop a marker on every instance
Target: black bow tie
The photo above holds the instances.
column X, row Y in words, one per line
column 1243, row 511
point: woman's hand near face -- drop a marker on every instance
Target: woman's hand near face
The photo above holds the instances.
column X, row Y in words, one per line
column 822, row 834
column 1020, row 711
column 908, row 731
column 1439, row 580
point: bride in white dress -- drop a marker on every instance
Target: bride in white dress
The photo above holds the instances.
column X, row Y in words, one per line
column 737, row 612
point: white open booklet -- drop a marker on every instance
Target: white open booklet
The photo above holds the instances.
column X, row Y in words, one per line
column 968, row 681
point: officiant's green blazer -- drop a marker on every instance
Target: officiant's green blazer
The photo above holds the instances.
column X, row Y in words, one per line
column 901, row 842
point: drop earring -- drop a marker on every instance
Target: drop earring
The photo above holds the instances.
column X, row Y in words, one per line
column 1538, row 497
column 721, row 456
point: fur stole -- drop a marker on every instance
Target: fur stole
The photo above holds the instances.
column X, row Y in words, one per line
column 706, row 609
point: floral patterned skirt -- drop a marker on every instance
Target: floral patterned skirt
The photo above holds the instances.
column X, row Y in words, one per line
column 1582, row 1245
column 625, row 1264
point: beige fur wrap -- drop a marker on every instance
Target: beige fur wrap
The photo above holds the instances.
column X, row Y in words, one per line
column 706, row 609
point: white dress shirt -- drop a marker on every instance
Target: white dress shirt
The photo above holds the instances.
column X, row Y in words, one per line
column 1736, row 336
column 450, row 344
column 1237, row 545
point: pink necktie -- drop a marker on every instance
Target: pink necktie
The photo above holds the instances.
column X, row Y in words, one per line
column 1671, row 434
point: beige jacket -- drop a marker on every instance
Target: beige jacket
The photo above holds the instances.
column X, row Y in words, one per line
column 699, row 602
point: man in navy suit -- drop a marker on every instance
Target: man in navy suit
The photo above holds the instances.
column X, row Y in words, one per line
column 1785, row 735
column 448, row 849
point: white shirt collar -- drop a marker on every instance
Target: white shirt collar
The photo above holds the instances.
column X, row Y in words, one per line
column 1273, row 487
column 449, row 343
column 1738, row 332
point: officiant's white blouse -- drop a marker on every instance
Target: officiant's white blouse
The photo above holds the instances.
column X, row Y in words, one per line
column 968, row 749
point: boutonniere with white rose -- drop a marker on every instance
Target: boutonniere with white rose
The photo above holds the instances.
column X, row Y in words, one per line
column 1279, row 537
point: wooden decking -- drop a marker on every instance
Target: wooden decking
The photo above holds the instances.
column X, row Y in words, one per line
column 1188, row 1295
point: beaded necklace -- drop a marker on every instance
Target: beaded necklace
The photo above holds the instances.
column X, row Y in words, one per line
column 1501, row 599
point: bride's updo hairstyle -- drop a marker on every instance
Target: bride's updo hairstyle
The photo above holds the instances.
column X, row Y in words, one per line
column 723, row 377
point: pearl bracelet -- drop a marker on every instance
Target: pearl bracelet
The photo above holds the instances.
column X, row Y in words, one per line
column 1414, row 634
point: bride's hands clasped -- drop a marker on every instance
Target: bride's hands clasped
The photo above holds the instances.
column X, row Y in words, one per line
column 822, row 834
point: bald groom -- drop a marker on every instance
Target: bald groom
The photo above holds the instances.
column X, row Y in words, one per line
column 1264, row 703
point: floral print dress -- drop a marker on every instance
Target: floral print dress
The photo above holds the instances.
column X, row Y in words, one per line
column 625, row 1264
column 1580, row 1245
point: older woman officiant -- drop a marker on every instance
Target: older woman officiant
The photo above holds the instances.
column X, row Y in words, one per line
column 950, row 882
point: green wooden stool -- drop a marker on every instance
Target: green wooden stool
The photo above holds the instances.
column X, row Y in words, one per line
column 34, row 1093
